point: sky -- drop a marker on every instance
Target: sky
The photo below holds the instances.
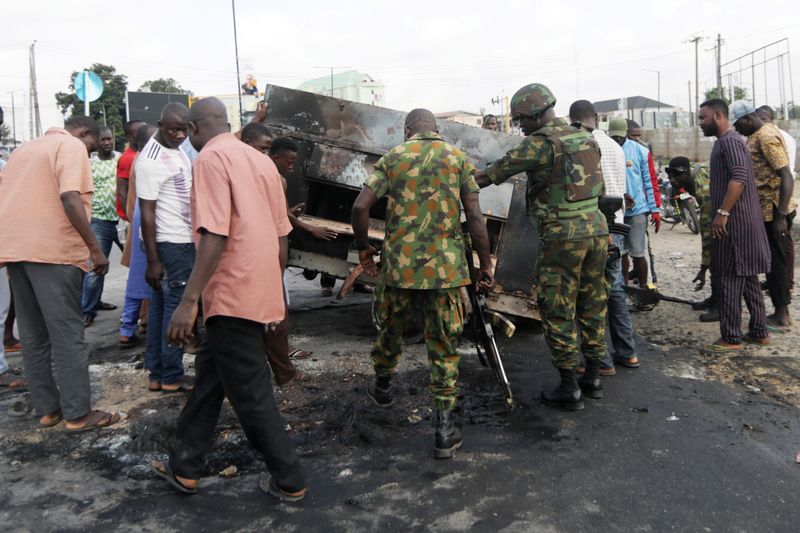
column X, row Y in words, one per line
column 440, row 55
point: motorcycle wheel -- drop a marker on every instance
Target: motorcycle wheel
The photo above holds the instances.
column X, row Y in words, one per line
column 690, row 216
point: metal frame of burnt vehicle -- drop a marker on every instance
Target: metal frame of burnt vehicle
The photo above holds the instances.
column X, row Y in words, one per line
column 340, row 141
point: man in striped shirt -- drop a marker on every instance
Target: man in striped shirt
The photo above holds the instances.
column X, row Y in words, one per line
column 740, row 251
column 612, row 162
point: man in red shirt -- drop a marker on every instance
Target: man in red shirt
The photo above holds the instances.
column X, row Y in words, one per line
column 241, row 227
column 124, row 165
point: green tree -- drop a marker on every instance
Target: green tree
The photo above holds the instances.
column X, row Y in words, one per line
column 164, row 85
column 5, row 135
column 739, row 93
column 109, row 108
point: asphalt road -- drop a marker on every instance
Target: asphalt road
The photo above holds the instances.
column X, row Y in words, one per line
column 660, row 453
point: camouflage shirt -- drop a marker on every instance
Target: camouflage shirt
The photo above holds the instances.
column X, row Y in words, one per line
column 422, row 180
column 702, row 193
column 535, row 155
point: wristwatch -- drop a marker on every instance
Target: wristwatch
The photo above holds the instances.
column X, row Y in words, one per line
column 723, row 213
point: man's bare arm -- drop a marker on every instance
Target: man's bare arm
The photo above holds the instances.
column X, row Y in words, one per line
column 477, row 230
column 122, row 192
column 155, row 271
column 76, row 213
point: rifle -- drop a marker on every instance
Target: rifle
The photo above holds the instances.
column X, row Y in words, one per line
column 482, row 319
column 652, row 296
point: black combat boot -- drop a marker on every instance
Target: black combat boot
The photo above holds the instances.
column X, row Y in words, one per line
column 380, row 391
column 448, row 437
column 589, row 382
column 712, row 315
column 567, row 395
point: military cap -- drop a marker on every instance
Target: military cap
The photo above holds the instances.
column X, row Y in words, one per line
column 532, row 100
column 618, row 127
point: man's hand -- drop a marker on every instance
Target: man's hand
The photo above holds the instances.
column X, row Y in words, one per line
column 779, row 229
column 367, row 260
column 154, row 274
column 485, row 281
column 700, row 279
column 719, row 226
column 181, row 325
column 99, row 263
column 261, row 112
column 656, row 220
column 296, row 210
column 628, row 201
column 324, row 234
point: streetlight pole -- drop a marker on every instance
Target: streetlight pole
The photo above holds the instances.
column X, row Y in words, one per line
column 13, row 119
column 236, row 51
column 658, row 98
column 331, row 69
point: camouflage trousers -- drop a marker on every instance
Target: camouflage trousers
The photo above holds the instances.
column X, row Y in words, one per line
column 573, row 292
column 443, row 316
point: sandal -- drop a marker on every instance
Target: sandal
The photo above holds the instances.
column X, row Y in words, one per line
column 128, row 342
column 11, row 382
column 55, row 419
column 268, row 485
column 627, row 362
column 163, row 470
column 154, row 386
column 297, row 353
column 185, row 384
column 87, row 321
column 97, row 420
column 748, row 339
column 104, row 306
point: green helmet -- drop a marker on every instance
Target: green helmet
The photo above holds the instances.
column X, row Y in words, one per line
column 532, row 100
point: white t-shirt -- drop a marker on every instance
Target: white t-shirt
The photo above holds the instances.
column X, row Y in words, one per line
column 165, row 175
column 791, row 148
column 612, row 163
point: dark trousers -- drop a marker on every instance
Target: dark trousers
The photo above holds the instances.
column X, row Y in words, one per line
column 234, row 366
column 105, row 231
column 731, row 289
column 277, row 343
column 778, row 278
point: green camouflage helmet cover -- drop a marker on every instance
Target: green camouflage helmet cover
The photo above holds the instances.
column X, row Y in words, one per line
column 532, row 100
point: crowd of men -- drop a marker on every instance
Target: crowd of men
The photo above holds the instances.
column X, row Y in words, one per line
column 197, row 197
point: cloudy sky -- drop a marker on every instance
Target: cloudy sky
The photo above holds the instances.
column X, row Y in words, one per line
column 437, row 54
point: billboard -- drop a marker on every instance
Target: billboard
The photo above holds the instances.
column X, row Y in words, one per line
column 147, row 106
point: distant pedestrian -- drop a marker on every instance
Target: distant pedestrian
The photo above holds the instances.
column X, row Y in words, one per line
column 740, row 251
column 490, row 123
column 124, row 166
column 163, row 186
column 45, row 204
column 237, row 200
column 775, row 185
column 104, row 220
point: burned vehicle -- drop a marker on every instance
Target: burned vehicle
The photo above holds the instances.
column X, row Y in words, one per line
column 340, row 141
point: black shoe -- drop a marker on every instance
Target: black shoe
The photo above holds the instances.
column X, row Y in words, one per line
column 708, row 303
column 380, row 391
column 567, row 395
column 589, row 382
column 448, row 437
column 712, row 315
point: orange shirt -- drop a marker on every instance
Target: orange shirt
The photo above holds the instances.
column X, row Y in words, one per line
column 237, row 193
column 34, row 226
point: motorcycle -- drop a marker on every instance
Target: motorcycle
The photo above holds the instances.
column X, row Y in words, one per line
column 678, row 206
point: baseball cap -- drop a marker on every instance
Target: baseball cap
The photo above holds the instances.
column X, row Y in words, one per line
column 679, row 164
column 618, row 127
column 739, row 109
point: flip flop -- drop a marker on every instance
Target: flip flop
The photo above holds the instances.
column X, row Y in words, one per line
column 104, row 306
column 13, row 348
column 755, row 340
column 164, row 471
column 154, row 386
column 268, row 485
column 627, row 362
column 186, row 384
column 7, row 380
column 54, row 422
column 724, row 348
column 97, row 420
column 297, row 353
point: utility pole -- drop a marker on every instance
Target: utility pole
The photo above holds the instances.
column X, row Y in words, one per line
column 689, row 83
column 696, row 40
column 331, row 69
column 13, row 119
column 236, row 51
column 719, row 66
column 35, row 119
column 658, row 97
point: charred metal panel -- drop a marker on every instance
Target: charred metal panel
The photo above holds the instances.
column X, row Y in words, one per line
column 515, row 271
column 344, row 167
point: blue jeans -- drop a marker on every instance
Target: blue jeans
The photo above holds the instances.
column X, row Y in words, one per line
column 165, row 363
column 105, row 231
column 620, row 327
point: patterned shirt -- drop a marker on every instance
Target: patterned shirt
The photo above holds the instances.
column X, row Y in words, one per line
column 423, row 180
column 104, row 176
column 769, row 155
column 535, row 156
column 612, row 161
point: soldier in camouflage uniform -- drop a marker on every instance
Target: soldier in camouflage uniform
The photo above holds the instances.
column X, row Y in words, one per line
column 697, row 183
column 423, row 261
column 564, row 184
